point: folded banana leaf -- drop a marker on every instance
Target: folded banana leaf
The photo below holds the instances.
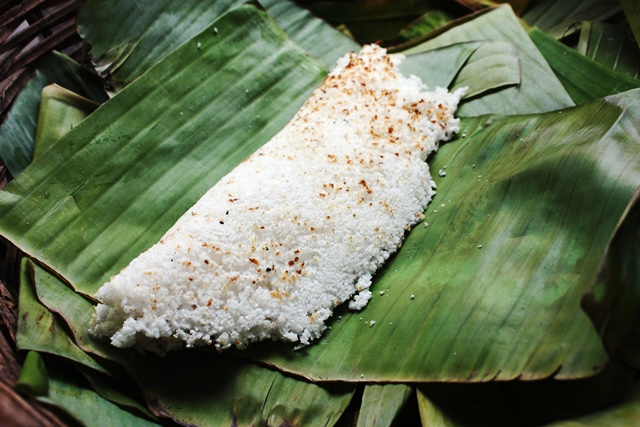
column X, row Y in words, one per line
column 156, row 29
column 611, row 46
column 584, row 79
column 427, row 23
column 534, row 403
column 372, row 21
column 382, row 403
column 60, row 110
column 39, row 329
column 538, row 89
column 632, row 14
column 208, row 390
column 558, row 19
column 18, row 131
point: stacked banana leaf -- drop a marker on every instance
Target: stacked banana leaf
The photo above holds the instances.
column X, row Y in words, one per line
column 515, row 301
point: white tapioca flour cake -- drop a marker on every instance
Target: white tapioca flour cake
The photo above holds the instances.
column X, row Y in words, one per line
column 296, row 229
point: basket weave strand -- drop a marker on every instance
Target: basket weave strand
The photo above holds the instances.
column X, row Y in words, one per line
column 30, row 29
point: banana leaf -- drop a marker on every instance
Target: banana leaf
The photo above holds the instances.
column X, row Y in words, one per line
column 33, row 380
column 68, row 397
column 313, row 34
column 153, row 31
column 381, row 404
column 371, row 21
column 632, row 13
column 422, row 26
column 439, row 66
column 337, row 11
column 66, row 307
column 157, row 28
column 60, row 110
column 69, row 394
column 625, row 414
column 611, row 46
column 523, row 403
column 584, row 79
column 480, row 67
column 559, row 18
column 210, row 390
column 39, row 329
column 493, row 66
column 612, row 301
column 18, row 131
column 117, row 391
column 518, row 6
column 539, row 90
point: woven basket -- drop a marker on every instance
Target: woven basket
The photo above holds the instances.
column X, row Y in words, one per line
column 29, row 29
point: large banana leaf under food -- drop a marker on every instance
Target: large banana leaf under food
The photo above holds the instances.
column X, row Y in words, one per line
column 525, row 229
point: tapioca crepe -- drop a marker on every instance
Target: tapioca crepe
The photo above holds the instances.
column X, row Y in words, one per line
column 298, row 228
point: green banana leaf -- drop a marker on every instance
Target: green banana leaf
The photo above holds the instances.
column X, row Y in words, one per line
column 371, row 21
column 439, row 66
column 69, row 394
column 60, row 111
column 632, row 13
column 66, row 307
column 559, row 18
column 518, row 6
column 155, row 29
column 613, row 300
column 381, row 404
column 480, row 67
column 539, row 90
column 39, row 329
column 117, row 391
column 312, row 34
column 496, row 62
column 611, row 46
column 625, row 414
column 584, row 79
column 33, row 380
column 18, row 131
column 427, row 23
column 516, row 403
column 206, row 389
